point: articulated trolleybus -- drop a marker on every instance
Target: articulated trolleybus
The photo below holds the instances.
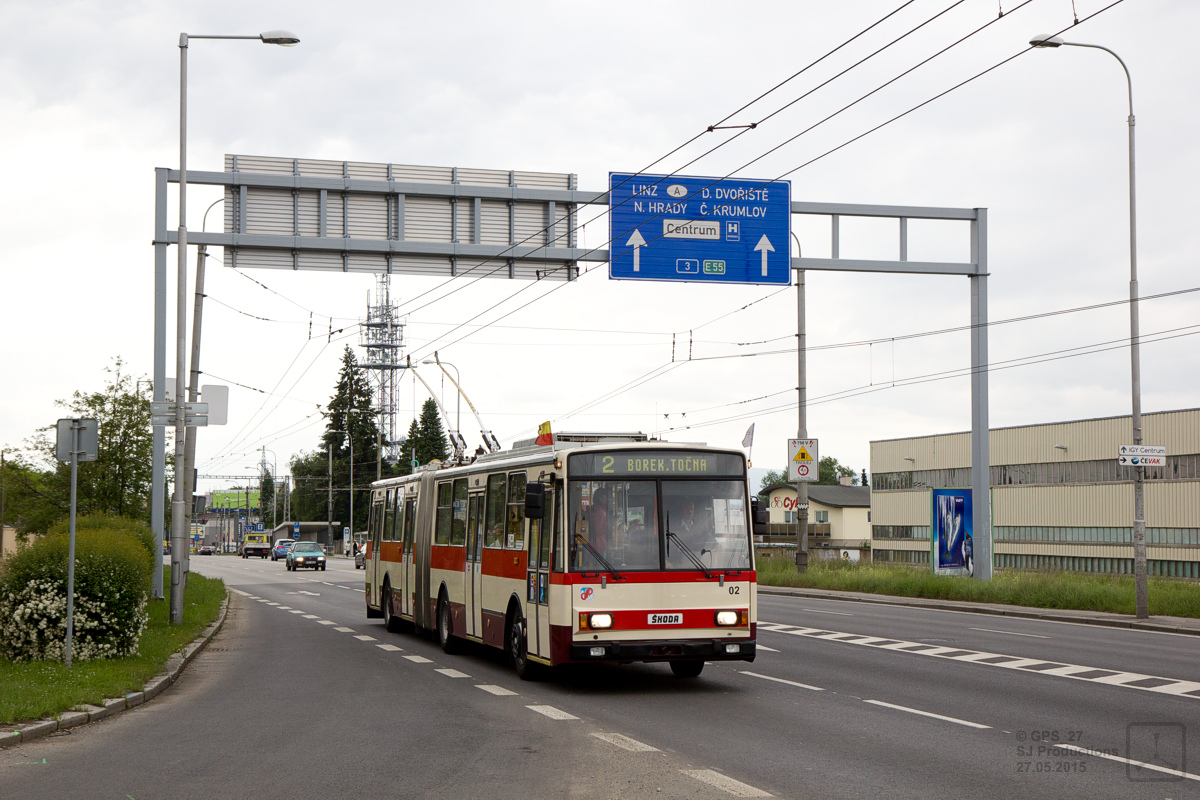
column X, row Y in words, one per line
column 594, row 548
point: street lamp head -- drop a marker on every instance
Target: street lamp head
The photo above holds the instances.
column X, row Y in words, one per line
column 1046, row 40
column 283, row 38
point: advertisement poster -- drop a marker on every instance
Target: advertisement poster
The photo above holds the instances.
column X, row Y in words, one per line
column 952, row 546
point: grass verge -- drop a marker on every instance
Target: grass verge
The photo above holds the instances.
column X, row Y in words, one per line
column 1062, row 590
column 42, row 689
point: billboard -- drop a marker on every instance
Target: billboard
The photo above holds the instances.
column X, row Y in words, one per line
column 952, row 545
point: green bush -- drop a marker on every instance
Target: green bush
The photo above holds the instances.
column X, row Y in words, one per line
column 112, row 578
column 103, row 522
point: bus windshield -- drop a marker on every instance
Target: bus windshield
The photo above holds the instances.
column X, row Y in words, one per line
column 621, row 523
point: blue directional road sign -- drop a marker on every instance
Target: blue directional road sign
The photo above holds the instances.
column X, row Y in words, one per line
column 704, row 230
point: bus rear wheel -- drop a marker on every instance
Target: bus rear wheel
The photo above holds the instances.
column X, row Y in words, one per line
column 687, row 669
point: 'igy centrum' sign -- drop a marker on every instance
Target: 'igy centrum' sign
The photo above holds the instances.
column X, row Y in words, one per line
column 675, row 228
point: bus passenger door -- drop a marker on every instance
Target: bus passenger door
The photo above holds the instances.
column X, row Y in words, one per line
column 407, row 570
column 376, row 534
column 473, row 587
column 537, row 588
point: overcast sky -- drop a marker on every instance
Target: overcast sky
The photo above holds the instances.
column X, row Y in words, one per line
column 89, row 107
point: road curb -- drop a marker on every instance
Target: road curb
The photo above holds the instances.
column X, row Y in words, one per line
column 1053, row 615
column 29, row 730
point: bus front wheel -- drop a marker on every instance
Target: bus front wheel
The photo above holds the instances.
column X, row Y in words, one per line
column 687, row 669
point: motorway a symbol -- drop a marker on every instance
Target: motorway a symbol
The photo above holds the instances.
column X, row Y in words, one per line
column 706, row 230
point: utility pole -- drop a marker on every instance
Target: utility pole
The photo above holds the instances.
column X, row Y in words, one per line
column 802, row 422
column 329, row 505
column 1, row 494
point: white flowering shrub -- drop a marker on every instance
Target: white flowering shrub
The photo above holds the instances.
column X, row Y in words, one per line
column 112, row 577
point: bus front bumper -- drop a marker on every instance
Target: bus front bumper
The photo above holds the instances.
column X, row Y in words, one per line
column 667, row 650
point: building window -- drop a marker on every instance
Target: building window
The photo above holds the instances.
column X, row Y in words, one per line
column 789, row 517
column 822, row 516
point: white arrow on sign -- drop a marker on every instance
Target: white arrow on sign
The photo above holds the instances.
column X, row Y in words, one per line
column 764, row 244
column 637, row 243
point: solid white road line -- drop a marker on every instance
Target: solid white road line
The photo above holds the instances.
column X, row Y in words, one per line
column 1124, row 760
column 344, row 630
column 452, row 673
column 725, row 783
column 391, row 648
column 243, row 594
column 625, row 743
column 955, row 720
column 499, row 691
column 1010, row 633
column 781, row 680
column 365, row 638
column 819, row 611
column 419, row 659
column 552, row 712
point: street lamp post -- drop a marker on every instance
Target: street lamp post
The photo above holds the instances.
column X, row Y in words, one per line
column 1142, row 606
column 274, row 478
column 179, row 510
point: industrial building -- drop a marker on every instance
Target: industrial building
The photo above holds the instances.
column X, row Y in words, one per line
column 1059, row 498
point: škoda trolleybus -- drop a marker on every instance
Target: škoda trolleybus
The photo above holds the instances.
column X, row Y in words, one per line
column 593, row 548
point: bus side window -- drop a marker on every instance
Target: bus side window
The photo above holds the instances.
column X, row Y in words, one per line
column 458, row 533
column 410, row 513
column 494, row 533
column 516, row 511
column 370, row 521
column 389, row 519
column 444, row 513
column 549, row 529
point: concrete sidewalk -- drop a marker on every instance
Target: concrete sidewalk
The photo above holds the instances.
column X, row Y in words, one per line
column 1184, row 625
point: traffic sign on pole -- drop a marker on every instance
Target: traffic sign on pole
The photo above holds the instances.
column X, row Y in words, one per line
column 803, row 461
column 1141, row 455
column 705, row 230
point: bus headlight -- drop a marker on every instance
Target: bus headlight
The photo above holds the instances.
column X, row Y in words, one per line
column 595, row 621
column 729, row 619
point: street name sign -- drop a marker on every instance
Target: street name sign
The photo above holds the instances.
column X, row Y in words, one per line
column 703, row 230
column 1141, row 455
column 803, row 461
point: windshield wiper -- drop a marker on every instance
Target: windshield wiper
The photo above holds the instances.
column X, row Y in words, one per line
column 603, row 561
column 687, row 551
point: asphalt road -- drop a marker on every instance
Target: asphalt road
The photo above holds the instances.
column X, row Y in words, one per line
column 301, row 696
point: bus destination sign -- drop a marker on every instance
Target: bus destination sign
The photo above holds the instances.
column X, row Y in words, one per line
column 653, row 463
column 705, row 230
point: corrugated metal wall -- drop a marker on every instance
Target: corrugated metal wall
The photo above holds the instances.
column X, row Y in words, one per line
column 900, row 508
column 1085, row 440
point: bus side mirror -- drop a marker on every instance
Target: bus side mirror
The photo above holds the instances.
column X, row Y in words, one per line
column 535, row 500
column 759, row 516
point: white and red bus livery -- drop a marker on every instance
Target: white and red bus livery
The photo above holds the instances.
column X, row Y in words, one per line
column 592, row 549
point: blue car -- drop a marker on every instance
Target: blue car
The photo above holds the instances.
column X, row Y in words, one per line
column 305, row 554
column 280, row 550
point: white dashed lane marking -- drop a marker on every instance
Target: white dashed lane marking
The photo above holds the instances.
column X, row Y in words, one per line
column 919, row 712
column 725, row 783
column 552, row 712
column 1131, row 680
column 344, row 630
column 764, row 647
column 452, row 673
column 499, row 691
column 419, row 659
column 1129, row 761
column 326, row 622
column 391, row 648
column 295, row 611
column 311, row 616
column 625, row 743
column 1010, row 633
column 364, row 638
column 781, row 680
